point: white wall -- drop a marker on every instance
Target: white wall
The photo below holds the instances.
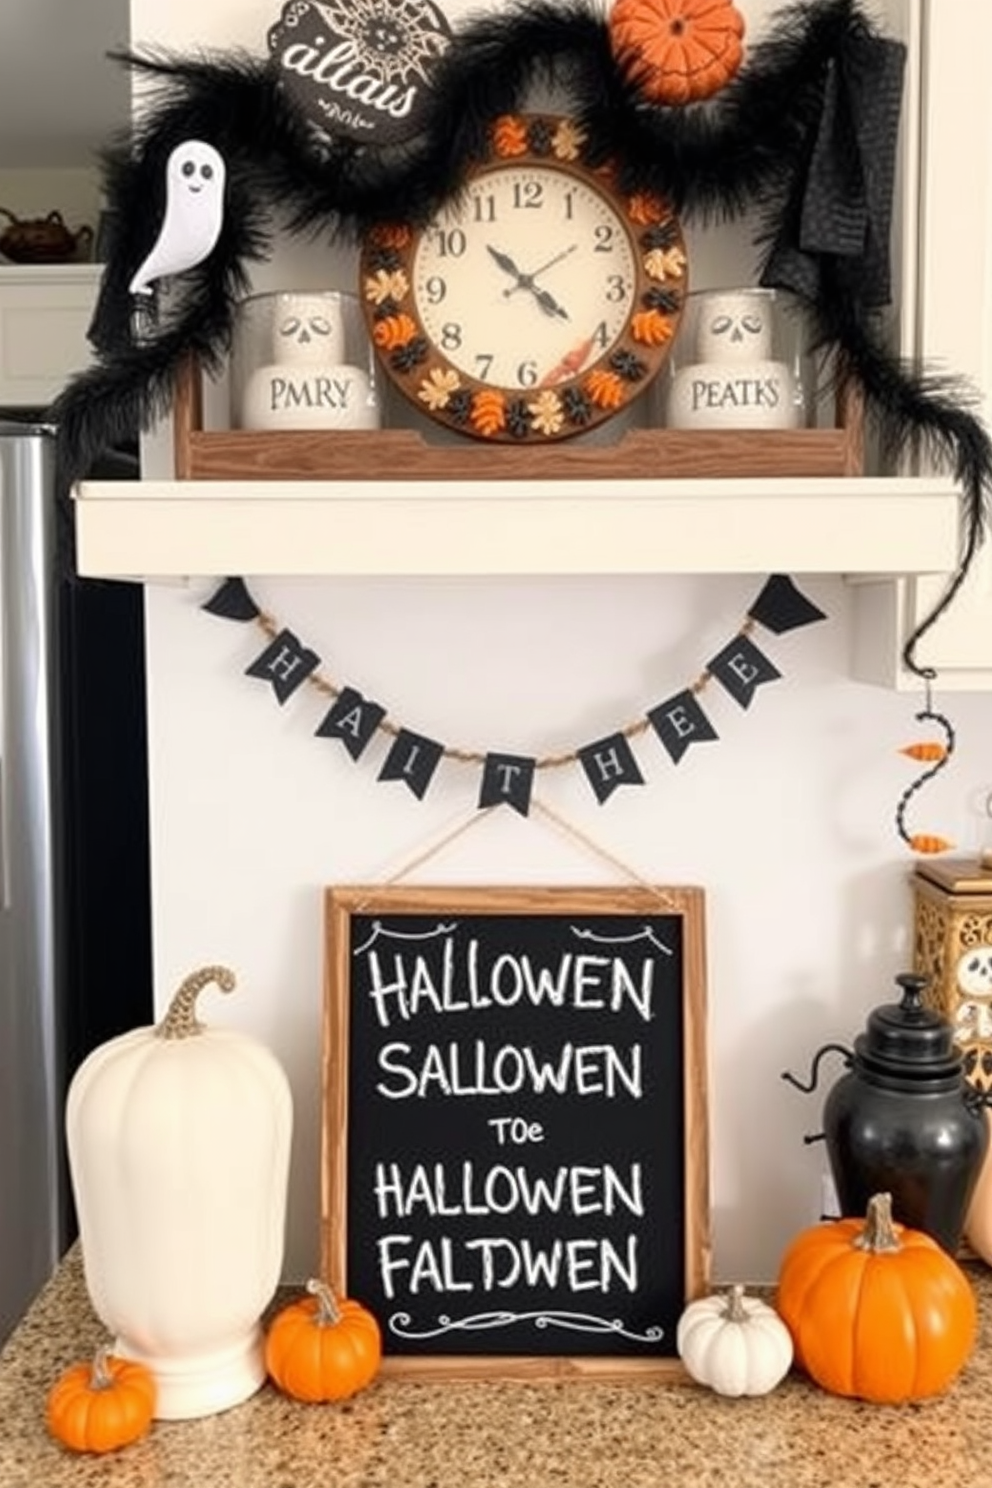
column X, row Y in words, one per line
column 787, row 822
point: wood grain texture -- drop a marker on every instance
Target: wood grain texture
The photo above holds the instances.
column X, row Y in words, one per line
column 340, row 904
column 379, row 454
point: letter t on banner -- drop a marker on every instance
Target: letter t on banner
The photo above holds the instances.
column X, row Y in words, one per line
column 507, row 778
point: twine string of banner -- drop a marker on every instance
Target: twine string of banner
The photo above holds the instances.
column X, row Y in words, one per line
column 271, row 627
column 575, row 834
column 740, row 666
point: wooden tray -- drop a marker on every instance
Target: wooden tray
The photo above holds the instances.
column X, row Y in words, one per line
column 392, row 454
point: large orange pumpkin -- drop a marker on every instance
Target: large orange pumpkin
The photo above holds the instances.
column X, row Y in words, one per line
column 876, row 1310
column 323, row 1348
column 677, row 51
column 100, row 1406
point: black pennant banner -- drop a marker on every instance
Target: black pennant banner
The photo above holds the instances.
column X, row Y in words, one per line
column 780, row 606
column 679, row 722
column 741, row 668
column 609, row 763
column 412, row 759
column 232, row 602
column 286, row 663
column 353, row 720
column 507, row 779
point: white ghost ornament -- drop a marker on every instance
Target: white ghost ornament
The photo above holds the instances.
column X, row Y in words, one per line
column 194, row 214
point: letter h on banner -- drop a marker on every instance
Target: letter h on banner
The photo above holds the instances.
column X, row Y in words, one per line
column 285, row 663
column 608, row 764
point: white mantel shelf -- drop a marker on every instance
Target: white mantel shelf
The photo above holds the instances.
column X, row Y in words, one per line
column 877, row 525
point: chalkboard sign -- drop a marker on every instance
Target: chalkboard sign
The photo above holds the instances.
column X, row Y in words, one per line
column 515, row 1134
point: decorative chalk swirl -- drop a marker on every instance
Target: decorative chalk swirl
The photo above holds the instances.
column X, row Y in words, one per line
column 577, row 1322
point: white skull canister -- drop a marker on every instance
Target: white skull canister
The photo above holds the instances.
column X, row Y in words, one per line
column 731, row 377
column 309, row 382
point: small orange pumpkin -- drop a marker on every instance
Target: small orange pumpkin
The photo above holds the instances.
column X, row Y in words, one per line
column 876, row 1310
column 677, row 51
column 321, row 1348
column 101, row 1406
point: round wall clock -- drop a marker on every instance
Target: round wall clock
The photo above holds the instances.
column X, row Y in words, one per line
column 539, row 303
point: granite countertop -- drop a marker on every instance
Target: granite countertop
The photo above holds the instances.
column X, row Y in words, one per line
column 405, row 1434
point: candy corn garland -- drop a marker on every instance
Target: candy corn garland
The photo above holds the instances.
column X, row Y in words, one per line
column 935, row 755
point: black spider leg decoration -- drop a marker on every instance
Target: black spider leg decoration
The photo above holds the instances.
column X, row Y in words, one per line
column 927, row 715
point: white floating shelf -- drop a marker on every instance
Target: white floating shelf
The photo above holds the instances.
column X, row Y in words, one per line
column 877, row 525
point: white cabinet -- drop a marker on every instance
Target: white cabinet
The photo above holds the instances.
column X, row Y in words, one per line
column 948, row 320
column 44, row 316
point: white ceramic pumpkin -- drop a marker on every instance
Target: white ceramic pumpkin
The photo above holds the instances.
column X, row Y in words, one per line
column 978, row 1221
column 734, row 1344
column 179, row 1143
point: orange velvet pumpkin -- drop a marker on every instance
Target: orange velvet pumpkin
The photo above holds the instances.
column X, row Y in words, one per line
column 100, row 1406
column 323, row 1349
column 677, row 51
column 876, row 1310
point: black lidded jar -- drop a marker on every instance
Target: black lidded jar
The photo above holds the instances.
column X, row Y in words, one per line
column 904, row 1120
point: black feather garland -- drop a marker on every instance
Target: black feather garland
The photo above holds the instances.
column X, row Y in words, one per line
column 749, row 148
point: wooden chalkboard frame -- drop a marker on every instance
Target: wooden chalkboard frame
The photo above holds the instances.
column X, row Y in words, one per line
column 687, row 903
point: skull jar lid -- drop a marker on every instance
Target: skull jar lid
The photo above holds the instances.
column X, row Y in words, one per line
column 907, row 1040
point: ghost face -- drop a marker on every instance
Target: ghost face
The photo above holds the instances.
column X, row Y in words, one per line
column 307, row 331
column 734, row 328
column 195, row 169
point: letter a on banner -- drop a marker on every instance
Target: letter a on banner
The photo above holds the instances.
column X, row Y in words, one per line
column 353, row 720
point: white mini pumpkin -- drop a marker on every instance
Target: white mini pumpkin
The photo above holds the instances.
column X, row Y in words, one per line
column 734, row 1344
column 179, row 1143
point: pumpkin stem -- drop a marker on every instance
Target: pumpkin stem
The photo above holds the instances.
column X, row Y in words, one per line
column 100, row 1375
column 735, row 1311
column 878, row 1235
column 328, row 1312
column 180, row 1020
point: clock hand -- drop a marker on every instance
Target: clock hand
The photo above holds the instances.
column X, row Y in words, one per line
column 526, row 281
column 548, row 303
column 505, row 262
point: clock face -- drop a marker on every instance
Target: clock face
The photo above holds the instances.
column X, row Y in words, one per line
column 533, row 265
column 537, row 304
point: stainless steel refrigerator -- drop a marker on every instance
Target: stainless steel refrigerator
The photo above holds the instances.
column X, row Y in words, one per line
column 74, row 914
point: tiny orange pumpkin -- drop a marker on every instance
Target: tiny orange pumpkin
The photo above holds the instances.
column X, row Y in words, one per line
column 321, row 1348
column 677, row 51
column 100, row 1406
column 876, row 1310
